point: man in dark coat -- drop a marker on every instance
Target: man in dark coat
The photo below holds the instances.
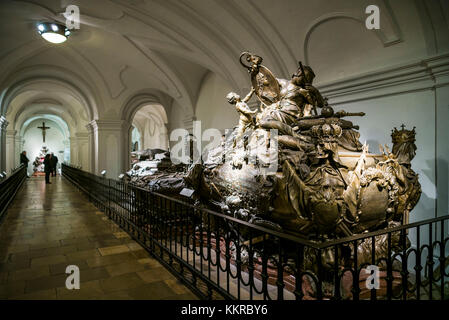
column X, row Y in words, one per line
column 47, row 168
column 23, row 158
column 54, row 163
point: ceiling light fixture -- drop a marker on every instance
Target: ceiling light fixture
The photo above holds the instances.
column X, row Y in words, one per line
column 53, row 32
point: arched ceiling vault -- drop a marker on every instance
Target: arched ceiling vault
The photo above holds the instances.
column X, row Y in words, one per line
column 52, row 81
column 131, row 52
column 61, row 124
column 38, row 98
column 153, row 112
column 45, row 110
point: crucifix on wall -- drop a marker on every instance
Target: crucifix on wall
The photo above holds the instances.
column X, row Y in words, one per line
column 43, row 128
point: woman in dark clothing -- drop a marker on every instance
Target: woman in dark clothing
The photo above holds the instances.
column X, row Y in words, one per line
column 54, row 164
column 23, row 159
column 47, row 168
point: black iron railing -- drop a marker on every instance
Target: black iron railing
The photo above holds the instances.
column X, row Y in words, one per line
column 218, row 256
column 9, row 186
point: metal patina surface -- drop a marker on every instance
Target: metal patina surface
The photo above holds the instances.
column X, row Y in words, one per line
column 325, row 184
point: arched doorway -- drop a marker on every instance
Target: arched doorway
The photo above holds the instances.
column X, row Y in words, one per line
column 136, row 139
column 45, row 134
column 149, row 129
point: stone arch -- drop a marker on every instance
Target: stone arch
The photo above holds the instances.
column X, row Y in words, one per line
column 138, row 100
column 62, row 124
column 335, row 16
column 112, row 144
column 134, row 104
column 31, row 111
column 58, row 125
column 30, row 77
column 152, row 120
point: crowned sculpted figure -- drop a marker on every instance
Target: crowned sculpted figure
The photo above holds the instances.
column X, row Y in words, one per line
column 325, row 184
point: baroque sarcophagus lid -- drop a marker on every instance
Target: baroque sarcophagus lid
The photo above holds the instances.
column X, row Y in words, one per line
column 298, row 166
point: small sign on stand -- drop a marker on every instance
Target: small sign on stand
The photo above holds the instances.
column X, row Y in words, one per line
column 186, row 192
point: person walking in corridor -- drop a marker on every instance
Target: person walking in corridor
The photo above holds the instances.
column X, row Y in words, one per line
column 24, row 159
column 54, row 164
column 47, row 168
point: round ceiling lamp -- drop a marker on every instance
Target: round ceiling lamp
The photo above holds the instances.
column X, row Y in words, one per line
column 53, row 32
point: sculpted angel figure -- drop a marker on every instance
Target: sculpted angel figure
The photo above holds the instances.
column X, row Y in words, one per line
column 246, row 114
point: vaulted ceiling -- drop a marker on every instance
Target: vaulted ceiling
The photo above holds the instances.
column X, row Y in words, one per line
column 164, row 48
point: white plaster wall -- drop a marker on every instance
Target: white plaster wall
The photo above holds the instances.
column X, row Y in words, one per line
column 10, row 152
column 80, row 154
column 112, row 163
column 155, row 135
column 412, row 109
column 85, row 155
column 212, row 108
column 178, row 118
column 136, row 138
column 442, row 103
column 74, row 151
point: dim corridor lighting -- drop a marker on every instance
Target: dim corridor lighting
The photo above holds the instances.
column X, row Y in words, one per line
column 53, row 32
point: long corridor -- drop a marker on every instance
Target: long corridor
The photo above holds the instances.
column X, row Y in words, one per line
column 49, row 227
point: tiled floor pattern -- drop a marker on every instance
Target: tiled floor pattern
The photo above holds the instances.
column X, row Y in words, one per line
column 49, row 227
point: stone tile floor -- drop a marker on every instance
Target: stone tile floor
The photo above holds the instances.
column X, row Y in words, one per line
column 49, row 227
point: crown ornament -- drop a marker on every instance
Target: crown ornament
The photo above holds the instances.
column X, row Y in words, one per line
column 327, row 132
column 403, row 135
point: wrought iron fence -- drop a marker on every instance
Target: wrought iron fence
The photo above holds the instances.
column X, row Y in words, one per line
column 9, row 186
column 218, row 256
